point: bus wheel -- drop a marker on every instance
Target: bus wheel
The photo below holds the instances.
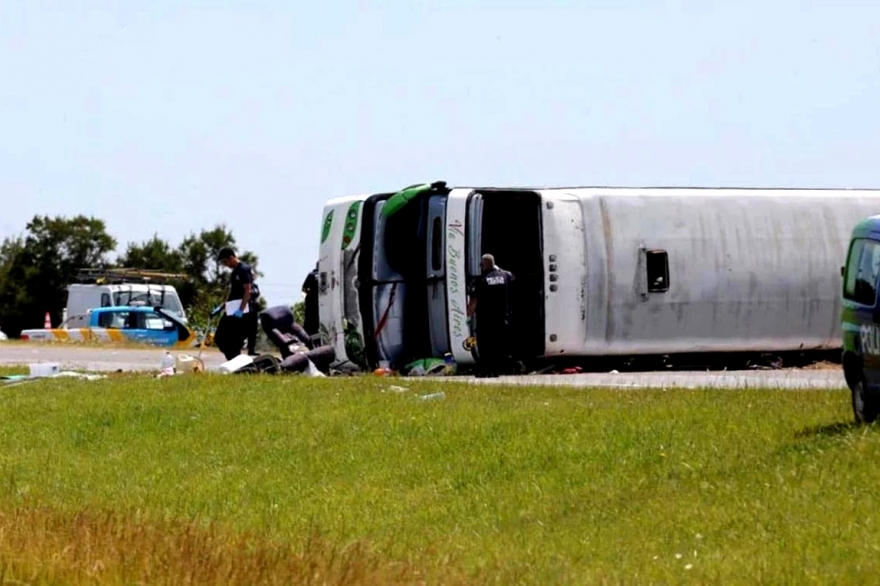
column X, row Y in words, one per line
column 865, row 406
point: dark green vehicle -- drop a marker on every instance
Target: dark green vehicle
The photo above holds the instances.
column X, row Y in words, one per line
column 861, row 319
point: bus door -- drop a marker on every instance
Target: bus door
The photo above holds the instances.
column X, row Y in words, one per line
column 438, row 325
column 474, row 235
column 389, row 290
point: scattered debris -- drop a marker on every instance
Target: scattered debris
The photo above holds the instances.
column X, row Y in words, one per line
column 78, row 375
column 765, row 362
column 445, row 366
column 236, row 364
column 822, row 365
column 432, row 396
column 571, row 370
column 42, row 370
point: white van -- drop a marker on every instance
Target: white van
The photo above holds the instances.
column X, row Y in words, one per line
column 83, row 296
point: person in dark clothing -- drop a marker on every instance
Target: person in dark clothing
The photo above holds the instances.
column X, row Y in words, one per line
column 310, row 288
column 253, row 317
column 489, row 303
column 234, row 328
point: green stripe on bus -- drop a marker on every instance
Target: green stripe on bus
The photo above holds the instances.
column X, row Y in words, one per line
column 328, row 221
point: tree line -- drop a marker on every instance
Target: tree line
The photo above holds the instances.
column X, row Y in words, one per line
column 37, row 266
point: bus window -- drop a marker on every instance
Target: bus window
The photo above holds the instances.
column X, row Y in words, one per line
column 658, row 271
column 437, row 245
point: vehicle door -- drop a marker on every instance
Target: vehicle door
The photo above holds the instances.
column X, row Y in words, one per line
column 436, row 272
column 389, row 293
column 474, row 234
column 157, row 329
column 862, row 311
column 111, row 325
column 474, row 246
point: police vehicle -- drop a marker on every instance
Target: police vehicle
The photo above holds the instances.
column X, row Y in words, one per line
column 860, row 319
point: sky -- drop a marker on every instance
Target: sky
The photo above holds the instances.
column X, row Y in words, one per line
column 169, row 117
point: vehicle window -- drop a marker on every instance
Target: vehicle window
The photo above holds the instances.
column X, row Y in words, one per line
column 154, row 321
column 658, row 271
column 105, row 300
column 154, row 298
column 105, row 320
column 862, row 271
column 171, row 304
column 116, row 320
column 437, row 245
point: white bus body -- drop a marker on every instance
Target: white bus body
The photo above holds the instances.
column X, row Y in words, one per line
column 599, row 271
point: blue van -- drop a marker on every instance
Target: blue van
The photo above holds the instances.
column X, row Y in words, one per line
column 860, row 317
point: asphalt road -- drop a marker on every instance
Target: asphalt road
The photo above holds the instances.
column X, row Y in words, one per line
column 96, row 359
column 109, row 359
column 745, row 379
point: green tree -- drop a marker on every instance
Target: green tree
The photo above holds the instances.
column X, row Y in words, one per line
column 299, row 312
column 158, row 255
column 37, row 268
column 155, row 254
column 13, row 294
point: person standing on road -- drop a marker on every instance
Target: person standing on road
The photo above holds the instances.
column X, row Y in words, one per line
column 234, row 328
column 489, row 302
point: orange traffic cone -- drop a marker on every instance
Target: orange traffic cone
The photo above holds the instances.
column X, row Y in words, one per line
column 47, row 324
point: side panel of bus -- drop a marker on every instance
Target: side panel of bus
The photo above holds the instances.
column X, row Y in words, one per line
column 457, row 233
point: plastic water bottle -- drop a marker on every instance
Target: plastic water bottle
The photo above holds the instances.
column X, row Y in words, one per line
column 167, row 361
column 449, row 364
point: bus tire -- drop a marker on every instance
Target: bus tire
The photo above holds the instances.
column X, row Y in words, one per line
column 865, row 405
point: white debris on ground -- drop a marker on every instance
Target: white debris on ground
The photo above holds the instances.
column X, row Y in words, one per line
column 44, row 370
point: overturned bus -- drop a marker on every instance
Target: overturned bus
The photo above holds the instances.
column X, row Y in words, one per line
column 599, row 271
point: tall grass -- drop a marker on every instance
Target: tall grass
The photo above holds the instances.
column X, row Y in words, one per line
column 189, row 478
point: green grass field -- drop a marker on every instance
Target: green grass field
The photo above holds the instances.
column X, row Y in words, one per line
column 286, row 480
